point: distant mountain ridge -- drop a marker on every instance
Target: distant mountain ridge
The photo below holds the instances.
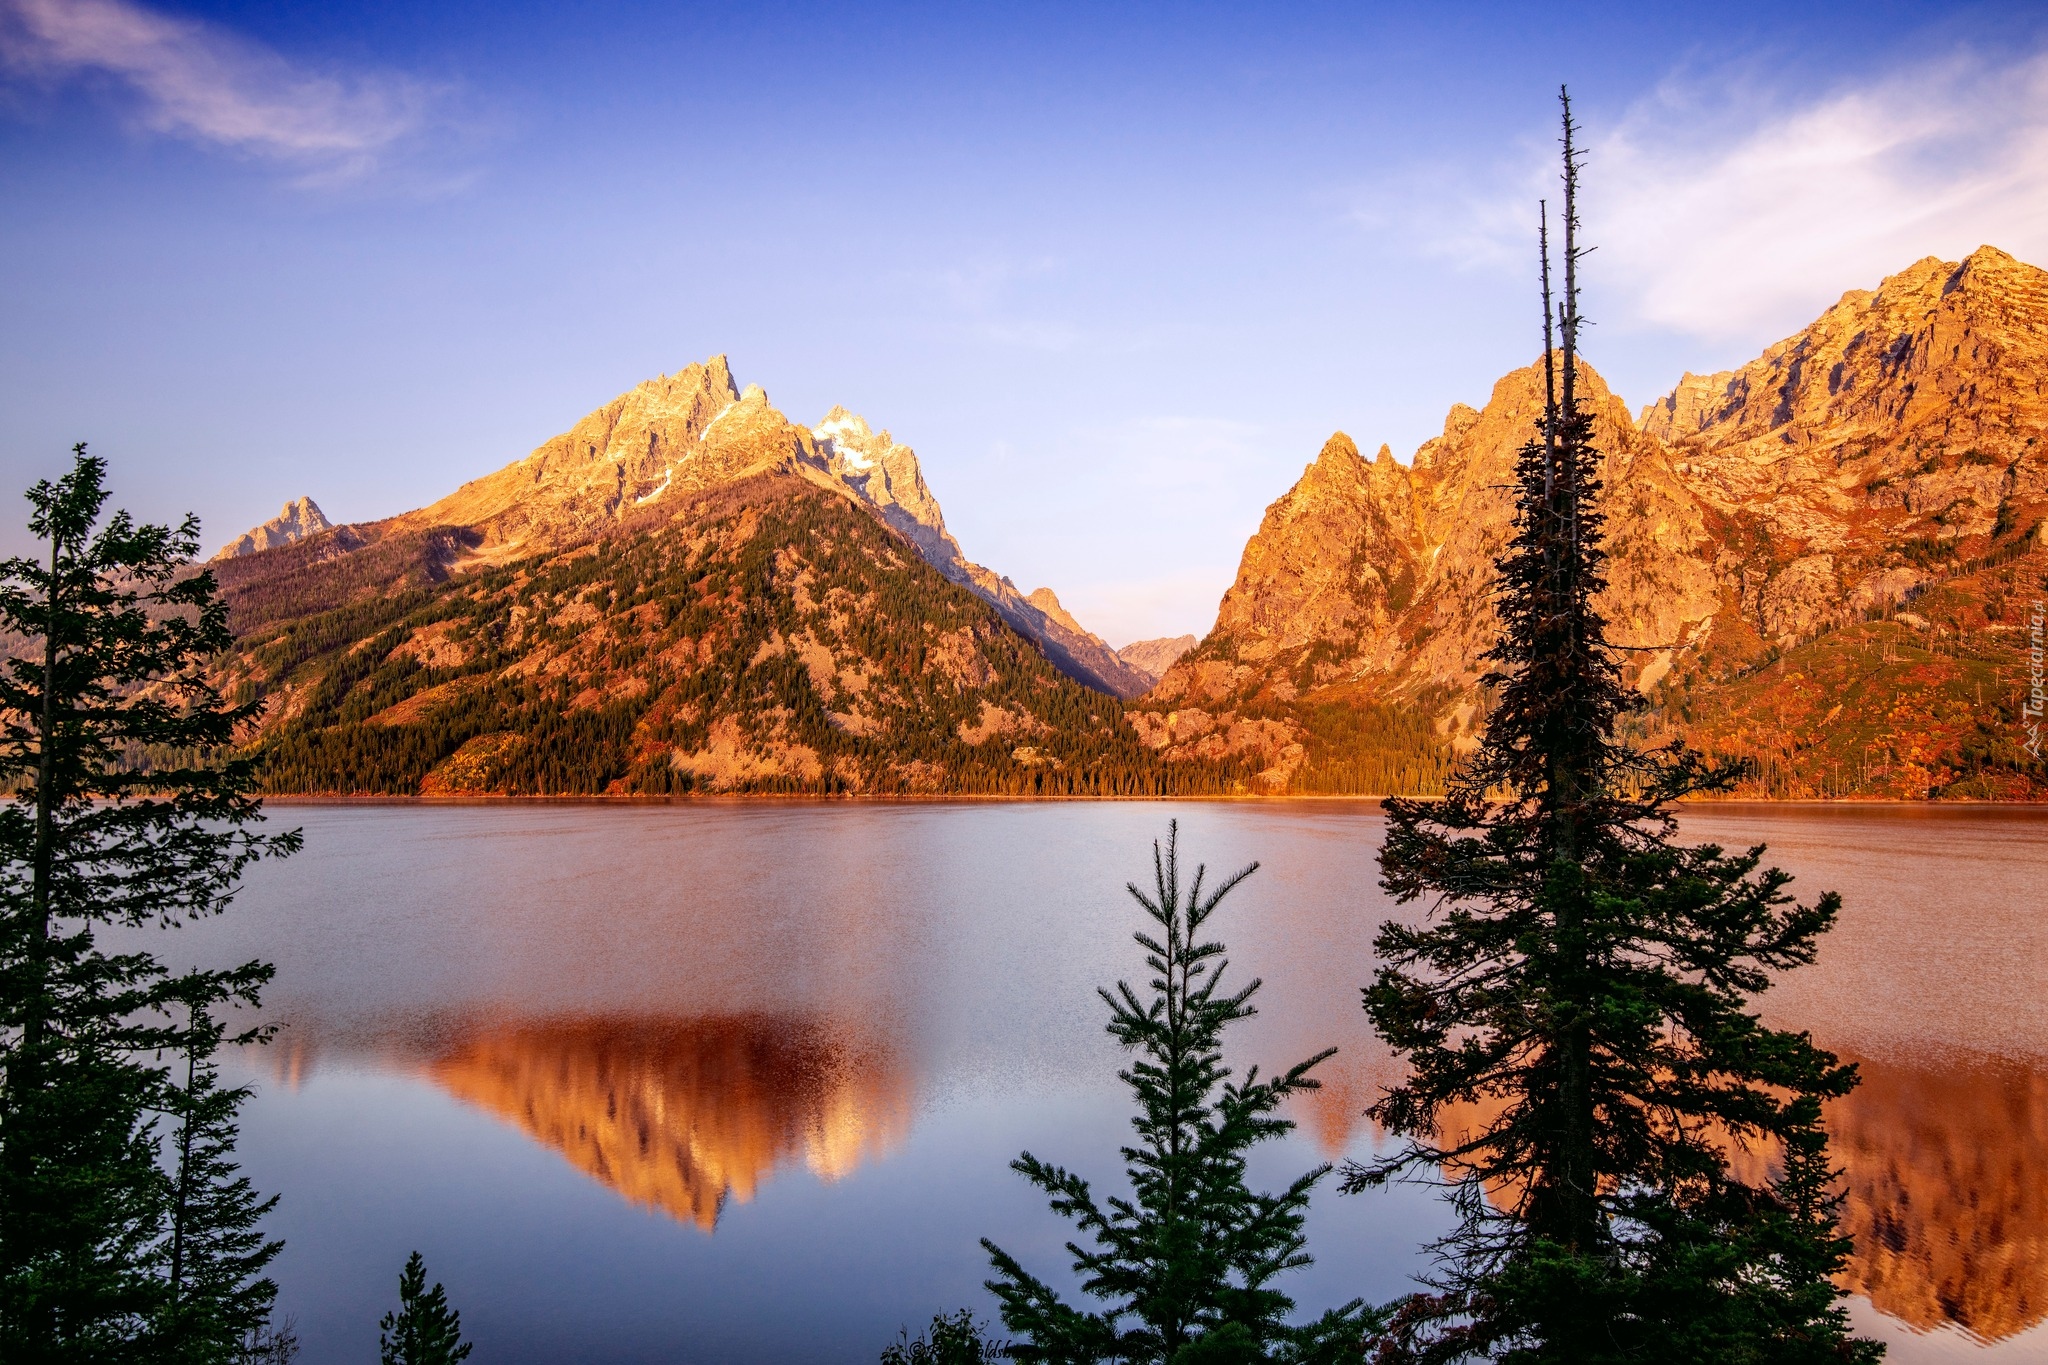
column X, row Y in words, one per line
column 1154, row 657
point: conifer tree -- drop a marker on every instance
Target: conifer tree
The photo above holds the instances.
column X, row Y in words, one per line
column 1578, row 1008
column 217, row 1298
column 424, row 1330
column 120, row 815
column 1185, row 1267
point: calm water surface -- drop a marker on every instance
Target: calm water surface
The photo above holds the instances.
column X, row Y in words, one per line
column 742, row 1082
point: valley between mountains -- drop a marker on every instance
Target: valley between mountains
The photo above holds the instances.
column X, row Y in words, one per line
column 1827, row 563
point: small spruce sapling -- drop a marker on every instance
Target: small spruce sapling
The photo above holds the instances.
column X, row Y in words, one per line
column 424, row 1330
column 1185, row 1268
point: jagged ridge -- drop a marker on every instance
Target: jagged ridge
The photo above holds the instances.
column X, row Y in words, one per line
column 1892, row 452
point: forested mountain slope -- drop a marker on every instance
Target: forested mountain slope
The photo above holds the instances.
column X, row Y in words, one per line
column 761, row 635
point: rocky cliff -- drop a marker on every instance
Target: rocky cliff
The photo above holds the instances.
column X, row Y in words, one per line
column 1779, row 517
column 300, row 518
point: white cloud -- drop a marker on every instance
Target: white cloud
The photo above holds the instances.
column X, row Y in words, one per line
column 201, row 82
column 1761, row 230
column 1725, row 210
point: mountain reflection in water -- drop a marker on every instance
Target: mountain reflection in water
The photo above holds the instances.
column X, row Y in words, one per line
column 511, row 1032
column 1944, row 1160
column 1942, row 1155
column 683, row 1115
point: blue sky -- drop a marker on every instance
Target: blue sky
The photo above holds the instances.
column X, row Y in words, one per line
column 1115, row 270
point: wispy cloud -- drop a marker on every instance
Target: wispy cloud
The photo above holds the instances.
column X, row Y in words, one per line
column 204, row 83
column 1724, row 209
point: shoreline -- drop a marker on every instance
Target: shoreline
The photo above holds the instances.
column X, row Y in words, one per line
column 917, row 799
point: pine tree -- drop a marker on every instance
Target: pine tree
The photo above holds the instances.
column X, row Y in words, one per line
column 424, row 1330
column 1585, row 986
column 102, row 829
column 1185, row 1266
column 218, row 1300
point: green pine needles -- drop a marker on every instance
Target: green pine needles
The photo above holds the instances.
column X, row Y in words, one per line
column 124, row 810
column 1584, row 987
column 424, row 1330
column 219, row 1300
column 1185, row 1267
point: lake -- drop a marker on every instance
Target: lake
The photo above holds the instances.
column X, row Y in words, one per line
column 741, row 1082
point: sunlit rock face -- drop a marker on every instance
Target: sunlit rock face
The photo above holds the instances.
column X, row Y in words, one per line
column 300, row 518
column 1895, row 448
column 1378, row 575
column 687, row 1115
column 1942, row 1161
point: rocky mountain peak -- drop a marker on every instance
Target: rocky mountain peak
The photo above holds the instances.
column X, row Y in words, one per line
column 300, row 518
column 887, row 476
column 1889, row 450
column 1912, row 417
column 1049, row 603
column 632, row 462
column 1339, row 455
column 1936, row 348
column 1381, row 575
column 839, row 424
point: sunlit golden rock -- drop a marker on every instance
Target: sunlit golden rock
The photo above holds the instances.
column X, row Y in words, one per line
column 1897, row 447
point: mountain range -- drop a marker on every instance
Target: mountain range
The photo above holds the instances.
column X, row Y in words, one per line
column 1822, row 563
column 685, row 591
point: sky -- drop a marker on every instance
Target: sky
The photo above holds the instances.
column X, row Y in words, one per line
column 1115, row 270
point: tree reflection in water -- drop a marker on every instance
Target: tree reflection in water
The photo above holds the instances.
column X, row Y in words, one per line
column 1942, row 1156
